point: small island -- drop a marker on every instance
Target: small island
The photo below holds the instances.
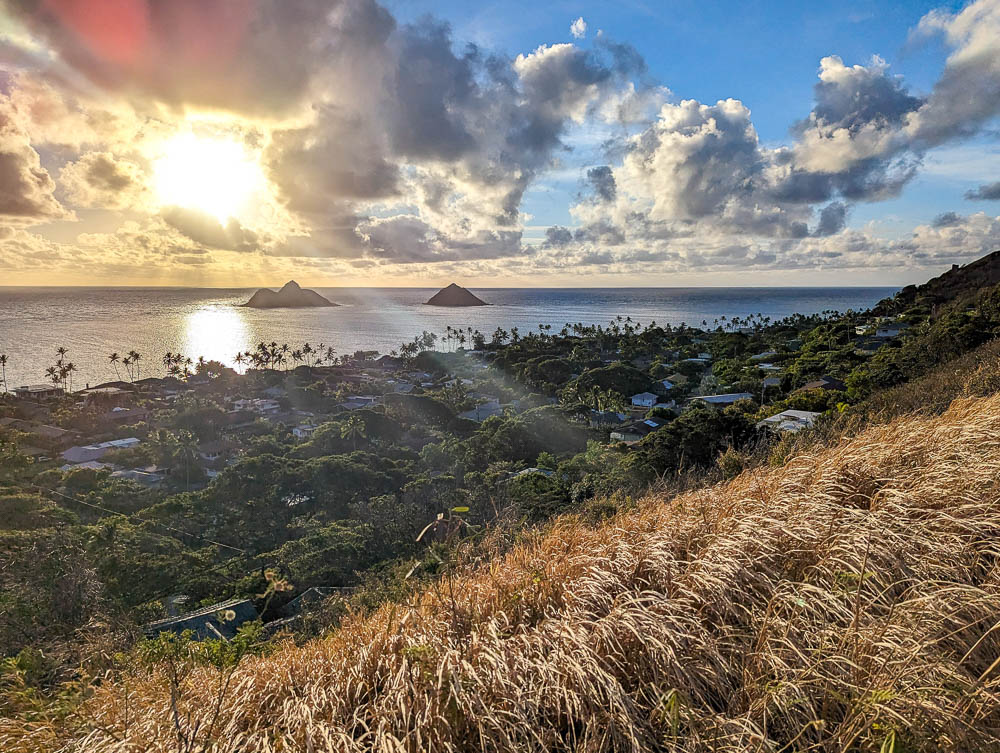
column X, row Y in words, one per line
column 455, row 295
column 290, row 296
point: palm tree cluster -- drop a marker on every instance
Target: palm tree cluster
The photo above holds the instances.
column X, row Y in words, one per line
column 130, row 362
column 178, row 365
column 274, row 356
column 61, row 372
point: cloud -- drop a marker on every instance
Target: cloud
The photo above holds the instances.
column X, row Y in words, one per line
column 832, row 219
column 946, row 219
column 578, row 28
column 967, row 94
column 26, row 188
column 208, row 231
column 102, row 180
column 602, row 181
column 986, row 192
column 251, row 56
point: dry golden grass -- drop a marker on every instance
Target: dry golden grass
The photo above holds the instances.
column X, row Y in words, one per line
column 848, row 601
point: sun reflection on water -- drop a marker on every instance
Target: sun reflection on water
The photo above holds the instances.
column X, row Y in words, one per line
column 216, row 333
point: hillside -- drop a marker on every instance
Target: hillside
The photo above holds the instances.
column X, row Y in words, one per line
column 845, row 601
column 956, row 282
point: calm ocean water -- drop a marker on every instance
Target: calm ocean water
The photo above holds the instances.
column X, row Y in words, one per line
column 93, row 322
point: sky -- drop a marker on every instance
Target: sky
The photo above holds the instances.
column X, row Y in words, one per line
column 236, row 143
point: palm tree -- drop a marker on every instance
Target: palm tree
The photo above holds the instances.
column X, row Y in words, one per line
column 352, row 429
column 70, row 368
column 115, row 358
column 239, row 359
column 134, row 358
column 3, row 370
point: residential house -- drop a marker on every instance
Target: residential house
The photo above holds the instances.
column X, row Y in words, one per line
column 765, row 356
column 90, row 465
column 38, row 391
column 355, row 402
column 483, row 411
column 678, row 379
column 771, row 382
column 600, row 419
column 51, row 436
column 721, row 400
column 217, row 621
column 790, row 421
column 889, row 331
column 216, row 452
column 636, row 431
column 257, row 405
column 97, row 451
column 769, row 367
column 644, row 400
column 388, row 363
column 303, row 432
column 667, row 384
column 149, row 480
column 825, row 382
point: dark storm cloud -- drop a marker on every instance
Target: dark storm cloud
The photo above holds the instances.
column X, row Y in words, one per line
column 985, row 192
column 602, row 181
column 832, row 219
column 557, row 237
column 947, row 219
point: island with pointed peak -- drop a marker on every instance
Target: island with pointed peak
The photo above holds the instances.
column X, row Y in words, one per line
column 455, row 295
column 290, row 296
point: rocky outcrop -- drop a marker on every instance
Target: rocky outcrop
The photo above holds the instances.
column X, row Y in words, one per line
column 290, row 296
column 455, row 295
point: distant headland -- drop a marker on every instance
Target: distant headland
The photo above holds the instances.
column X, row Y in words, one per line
column 290, row 296
column 455, row 295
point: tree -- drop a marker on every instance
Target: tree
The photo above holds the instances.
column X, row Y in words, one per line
column 353, row 428
column 3, row 370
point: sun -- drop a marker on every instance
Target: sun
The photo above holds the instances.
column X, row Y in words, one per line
column 215, row 176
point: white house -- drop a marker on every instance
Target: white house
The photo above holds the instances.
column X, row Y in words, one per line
column 258, row 405
column 303, row 432
column 644, row 400
column 790, row 421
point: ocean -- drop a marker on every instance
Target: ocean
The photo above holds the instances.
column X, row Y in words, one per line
column 94, row 322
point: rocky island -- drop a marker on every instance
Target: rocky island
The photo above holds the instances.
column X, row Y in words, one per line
column 290, row 296
column 455, row 295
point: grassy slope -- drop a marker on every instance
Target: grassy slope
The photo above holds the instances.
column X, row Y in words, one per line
column 825, row 605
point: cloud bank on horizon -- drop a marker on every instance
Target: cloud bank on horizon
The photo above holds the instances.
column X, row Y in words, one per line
column 359, row 147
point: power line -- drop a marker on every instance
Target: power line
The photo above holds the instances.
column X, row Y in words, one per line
column 151, row 522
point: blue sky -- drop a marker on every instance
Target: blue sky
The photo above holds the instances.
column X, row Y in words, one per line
column 766, row 54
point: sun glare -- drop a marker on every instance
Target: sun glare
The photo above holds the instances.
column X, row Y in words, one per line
column 215, row 176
